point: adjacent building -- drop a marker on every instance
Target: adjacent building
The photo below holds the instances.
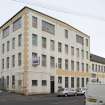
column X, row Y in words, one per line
column 97, row 68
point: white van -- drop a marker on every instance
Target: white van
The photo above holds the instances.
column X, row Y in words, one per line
column 95, row 94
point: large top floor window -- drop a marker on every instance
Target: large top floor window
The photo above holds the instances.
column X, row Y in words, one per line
column 17, row 24
column 6, row 32
column 79, row 39
column 48, row 27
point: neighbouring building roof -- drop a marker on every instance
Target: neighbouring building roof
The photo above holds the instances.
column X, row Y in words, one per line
column 96, row 58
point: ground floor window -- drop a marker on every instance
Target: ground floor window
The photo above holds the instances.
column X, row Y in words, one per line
column 66, row 82
column 44, row 83
column 7, row 81
column 72, row 82
column 34, row 82
column 59, row 79
column 78, row 82
column 82, row 82
column 13, row 81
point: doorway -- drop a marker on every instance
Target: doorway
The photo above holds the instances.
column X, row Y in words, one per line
column 52, row 84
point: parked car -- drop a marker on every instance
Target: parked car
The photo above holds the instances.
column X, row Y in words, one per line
column 66, row 92
column 81, row 91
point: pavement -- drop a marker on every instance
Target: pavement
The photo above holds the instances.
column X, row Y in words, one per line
column 52, row 99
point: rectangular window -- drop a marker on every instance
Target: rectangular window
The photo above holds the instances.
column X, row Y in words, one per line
column 99, row 68
column 7, row 81
column 34, row 40
column 44, row 42
column 20, row 40
column 77, row 50
column 59, row 47
column 35, row 59
column 3, row 63
column 48, row 27
column 59, row 80
column 19, row 59
column 79, row 39
column 13, row 81
column 82, row 82
column 72, row 65
column 72, row 82
column 8, row 46
column 72, row 51
column 34, row 22
column 87, row 67
column 13, row 60
column 82, row 52
column 44, row 83
column 13, row 43
column 6, row 32
column 66, row 34
column 86, row 54
column 87, row 43
column 96, row 68
column 3, row 48
column 87, row 80
column 7, row 62
column 44, row 60
column 52, row 62
column 59, row 63
column 34, row 82
column 78, row 66
column 92, row 67
column 66, row 82
column 66, row 49
column 66, row 64
column 82, row 67
column 52, row 45
column 17, row 24
column 78, row 82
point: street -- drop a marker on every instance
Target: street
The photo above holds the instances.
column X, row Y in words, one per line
column 14, row 99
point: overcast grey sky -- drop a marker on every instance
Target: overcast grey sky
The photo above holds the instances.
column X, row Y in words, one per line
column 85, row 15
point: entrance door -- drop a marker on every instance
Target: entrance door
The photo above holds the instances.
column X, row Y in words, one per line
column 52, row 84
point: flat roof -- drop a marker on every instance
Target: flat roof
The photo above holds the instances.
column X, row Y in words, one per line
column 42, row 14
column 96, row 58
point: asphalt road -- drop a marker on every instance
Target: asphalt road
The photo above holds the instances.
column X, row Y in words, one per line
column 13, row 99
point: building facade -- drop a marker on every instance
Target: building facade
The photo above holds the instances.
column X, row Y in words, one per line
column 97, row 68
column 39, row 54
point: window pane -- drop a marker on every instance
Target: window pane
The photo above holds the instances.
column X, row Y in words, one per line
column 52, row 45
column 17, row 24
column 59, row 63
column 44, row 82
column 19, row 59
column 44, row 42
column 66, row 34
column 34, row 82
column 66, row 49
column 6, row 32
column 72, row 65
column 72, row 82
column 48, row 27
column 13, row 43
column 44, row 62
column 79, row 39
column 59, row 47
column 52, row 62
column 34, row 40
column 66, row 64
column 19, row 40
column 34, row 22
